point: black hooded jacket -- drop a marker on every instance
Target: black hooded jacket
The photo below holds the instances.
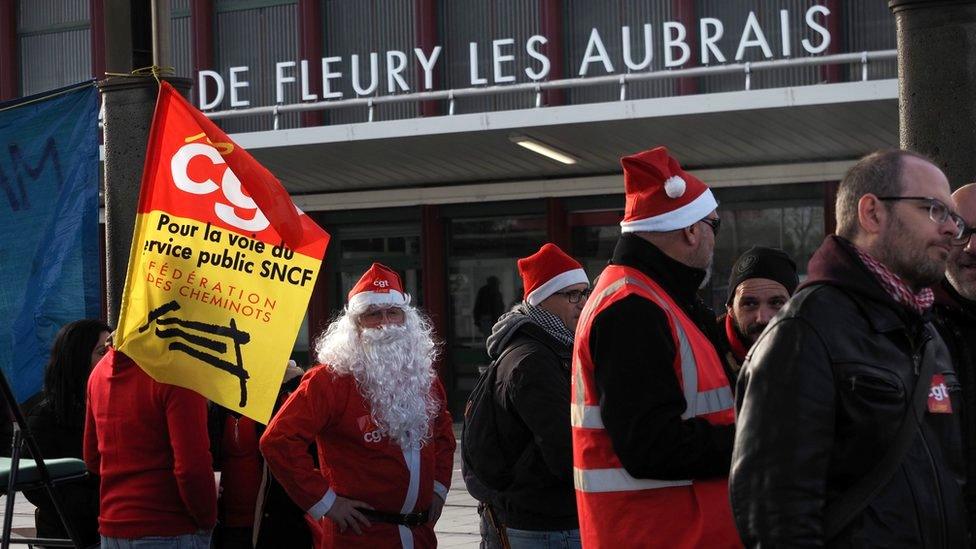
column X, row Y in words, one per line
column 533, row 379
column 819, row 401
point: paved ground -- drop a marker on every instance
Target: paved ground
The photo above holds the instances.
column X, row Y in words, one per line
column 458, row 526
column 23, row 519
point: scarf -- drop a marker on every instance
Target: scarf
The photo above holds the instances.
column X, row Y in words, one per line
column 736, row 345
column 896, row 287
column 549, row 322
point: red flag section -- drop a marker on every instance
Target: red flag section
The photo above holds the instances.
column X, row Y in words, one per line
column 222, row 265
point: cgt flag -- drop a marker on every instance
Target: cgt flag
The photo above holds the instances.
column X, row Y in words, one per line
column 222, row 265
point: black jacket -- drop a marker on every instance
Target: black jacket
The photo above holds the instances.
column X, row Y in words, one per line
column 57, row 440
column 641, row 399
column 955, row 318
column 532, row 384
column 280, row 523
column 819, row 400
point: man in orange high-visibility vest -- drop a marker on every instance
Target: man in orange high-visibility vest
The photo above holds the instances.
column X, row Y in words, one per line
column 652, row 407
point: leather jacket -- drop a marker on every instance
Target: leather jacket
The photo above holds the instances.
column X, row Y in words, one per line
column 819, row 401
column 955, row 319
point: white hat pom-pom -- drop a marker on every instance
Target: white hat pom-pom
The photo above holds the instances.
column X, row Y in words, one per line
column 674, row 187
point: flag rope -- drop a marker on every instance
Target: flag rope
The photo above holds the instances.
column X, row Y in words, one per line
column 152, row 70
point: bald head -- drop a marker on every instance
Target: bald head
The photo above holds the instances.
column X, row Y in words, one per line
column 961, row 268
column 965, row 199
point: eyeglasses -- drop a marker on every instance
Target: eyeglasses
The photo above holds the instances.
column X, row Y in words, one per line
column 714, row 222
column 940, row 213
column 575, row 296
column 967, row 234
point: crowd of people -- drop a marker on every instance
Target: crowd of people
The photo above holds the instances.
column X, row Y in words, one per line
column 617, row 412
column 838, row 412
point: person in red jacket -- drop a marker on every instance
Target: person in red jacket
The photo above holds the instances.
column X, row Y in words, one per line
column 147, row 442
column 377, row 413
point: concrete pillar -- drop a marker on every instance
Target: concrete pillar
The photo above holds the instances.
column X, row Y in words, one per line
column 129, row 104
column 937, row 82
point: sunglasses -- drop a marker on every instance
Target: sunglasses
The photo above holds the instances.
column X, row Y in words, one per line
column 714, row 222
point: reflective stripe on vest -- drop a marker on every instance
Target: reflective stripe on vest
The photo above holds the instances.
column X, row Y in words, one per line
column 587, row 416
column 618, row 480
column 707, row 402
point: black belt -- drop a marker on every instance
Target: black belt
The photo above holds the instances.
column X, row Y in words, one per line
column 409, row 519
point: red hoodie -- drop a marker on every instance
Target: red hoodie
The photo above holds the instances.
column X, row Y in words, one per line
column 147, row 441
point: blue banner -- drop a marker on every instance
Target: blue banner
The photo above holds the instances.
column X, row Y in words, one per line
column 49, row 251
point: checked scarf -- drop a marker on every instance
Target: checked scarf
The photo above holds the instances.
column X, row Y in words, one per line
column 896, row 287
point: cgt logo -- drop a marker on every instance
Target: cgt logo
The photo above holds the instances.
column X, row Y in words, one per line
column 373, row 436
column 370, row 433
column 230, row 185
column 381, row 283
column 940, row 401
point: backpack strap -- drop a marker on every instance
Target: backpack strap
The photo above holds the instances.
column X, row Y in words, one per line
column 840, row 512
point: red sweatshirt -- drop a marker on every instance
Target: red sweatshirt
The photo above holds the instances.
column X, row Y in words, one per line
column 148, row 443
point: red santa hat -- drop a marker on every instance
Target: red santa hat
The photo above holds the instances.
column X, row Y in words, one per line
column 548, row 271
column 380, row 285
column 660, row 195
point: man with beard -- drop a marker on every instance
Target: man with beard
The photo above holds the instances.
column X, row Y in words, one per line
column 376, row 411
column 838, row 442
column 762, row 281
column 651, row 409
column 955, row 317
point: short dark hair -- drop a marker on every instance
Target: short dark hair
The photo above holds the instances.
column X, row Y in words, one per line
column 878, row 173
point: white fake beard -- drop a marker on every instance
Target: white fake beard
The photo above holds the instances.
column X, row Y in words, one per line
column 393, row 367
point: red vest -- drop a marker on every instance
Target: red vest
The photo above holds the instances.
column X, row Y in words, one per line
column 615, row 509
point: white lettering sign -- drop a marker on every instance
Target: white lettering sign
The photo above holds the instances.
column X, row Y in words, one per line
column 495, row 61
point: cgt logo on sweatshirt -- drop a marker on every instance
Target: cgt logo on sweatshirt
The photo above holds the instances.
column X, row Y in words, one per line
column 371, row 434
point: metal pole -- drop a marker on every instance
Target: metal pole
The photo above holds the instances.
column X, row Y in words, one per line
column 129, row 104
column 160, row 32
column 11, row 486
column 937, row 82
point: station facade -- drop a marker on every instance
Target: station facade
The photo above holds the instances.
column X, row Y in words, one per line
column 437, row 187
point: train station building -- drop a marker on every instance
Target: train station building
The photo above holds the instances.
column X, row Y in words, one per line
column 447, row 138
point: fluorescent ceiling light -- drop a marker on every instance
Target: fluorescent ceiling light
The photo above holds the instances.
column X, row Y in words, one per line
column 548, row 151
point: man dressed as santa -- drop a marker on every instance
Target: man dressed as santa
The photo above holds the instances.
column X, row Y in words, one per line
column 377, row 413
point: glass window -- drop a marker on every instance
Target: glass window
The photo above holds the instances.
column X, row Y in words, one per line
column 593, row 246
column 594, row 231
column 360, row 246
column 483, row 278
column 797, row 230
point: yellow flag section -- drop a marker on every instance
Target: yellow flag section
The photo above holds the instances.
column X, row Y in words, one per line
column 221, row 269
